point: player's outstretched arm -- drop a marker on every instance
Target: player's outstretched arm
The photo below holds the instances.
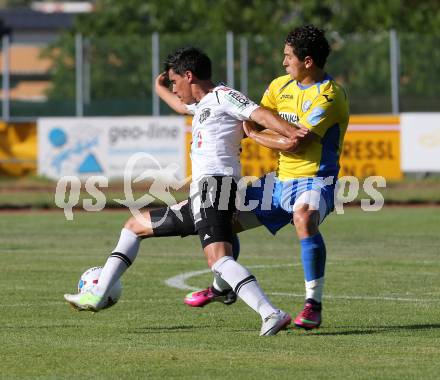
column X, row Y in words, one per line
column 271, row 121
column 163, row 91
column 279, row 134
column 266, row 137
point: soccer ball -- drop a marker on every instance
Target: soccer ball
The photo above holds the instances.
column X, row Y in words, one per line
column 89, row 279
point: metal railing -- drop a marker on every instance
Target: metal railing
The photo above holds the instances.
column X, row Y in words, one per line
column 114, row 75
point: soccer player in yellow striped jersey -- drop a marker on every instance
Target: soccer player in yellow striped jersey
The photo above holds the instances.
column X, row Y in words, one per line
column 321, row 107
column 302, row 191
column 307, row 97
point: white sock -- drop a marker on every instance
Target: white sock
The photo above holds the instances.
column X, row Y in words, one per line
column 121, row 258
column 220, row 284
column 244, row 284
column 314, row 289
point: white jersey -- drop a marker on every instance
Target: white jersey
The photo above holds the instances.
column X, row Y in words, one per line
column 217, row 132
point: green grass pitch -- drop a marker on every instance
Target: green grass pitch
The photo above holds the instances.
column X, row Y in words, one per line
column 381, row 311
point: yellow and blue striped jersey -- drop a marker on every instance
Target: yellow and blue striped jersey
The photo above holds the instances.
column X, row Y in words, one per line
column 321, row 107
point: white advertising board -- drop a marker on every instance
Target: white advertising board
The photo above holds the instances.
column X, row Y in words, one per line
column 85, row 147
column 420, row 142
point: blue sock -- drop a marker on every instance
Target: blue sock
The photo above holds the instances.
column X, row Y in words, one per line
column 313, row 256
column 235, row 246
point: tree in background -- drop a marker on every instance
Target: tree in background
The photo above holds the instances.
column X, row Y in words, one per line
column 120, row 58
column 15, row 3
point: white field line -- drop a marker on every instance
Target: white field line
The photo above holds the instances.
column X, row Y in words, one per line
column 362, row 298
column 179, row 282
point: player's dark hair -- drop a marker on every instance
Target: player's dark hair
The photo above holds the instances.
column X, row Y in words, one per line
column 308, row 40
column 189, row 59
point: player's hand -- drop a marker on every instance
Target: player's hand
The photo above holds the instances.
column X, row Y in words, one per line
column 302, row 137
column 162, row 80
column 248, row 127
column 302, row 132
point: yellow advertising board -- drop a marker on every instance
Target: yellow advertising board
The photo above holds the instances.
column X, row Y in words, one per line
column 257, row 160
column 371, row 147
column 18, row 148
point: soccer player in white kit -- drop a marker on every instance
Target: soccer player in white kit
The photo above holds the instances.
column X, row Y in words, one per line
column 215, row 154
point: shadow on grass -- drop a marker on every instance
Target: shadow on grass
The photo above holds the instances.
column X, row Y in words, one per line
column 168, row 329
column 376, row 330
column 356, row 330
column 187, row 328
column 37, row 327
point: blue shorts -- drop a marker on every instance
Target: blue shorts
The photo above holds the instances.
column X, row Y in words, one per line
column 275, row 199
